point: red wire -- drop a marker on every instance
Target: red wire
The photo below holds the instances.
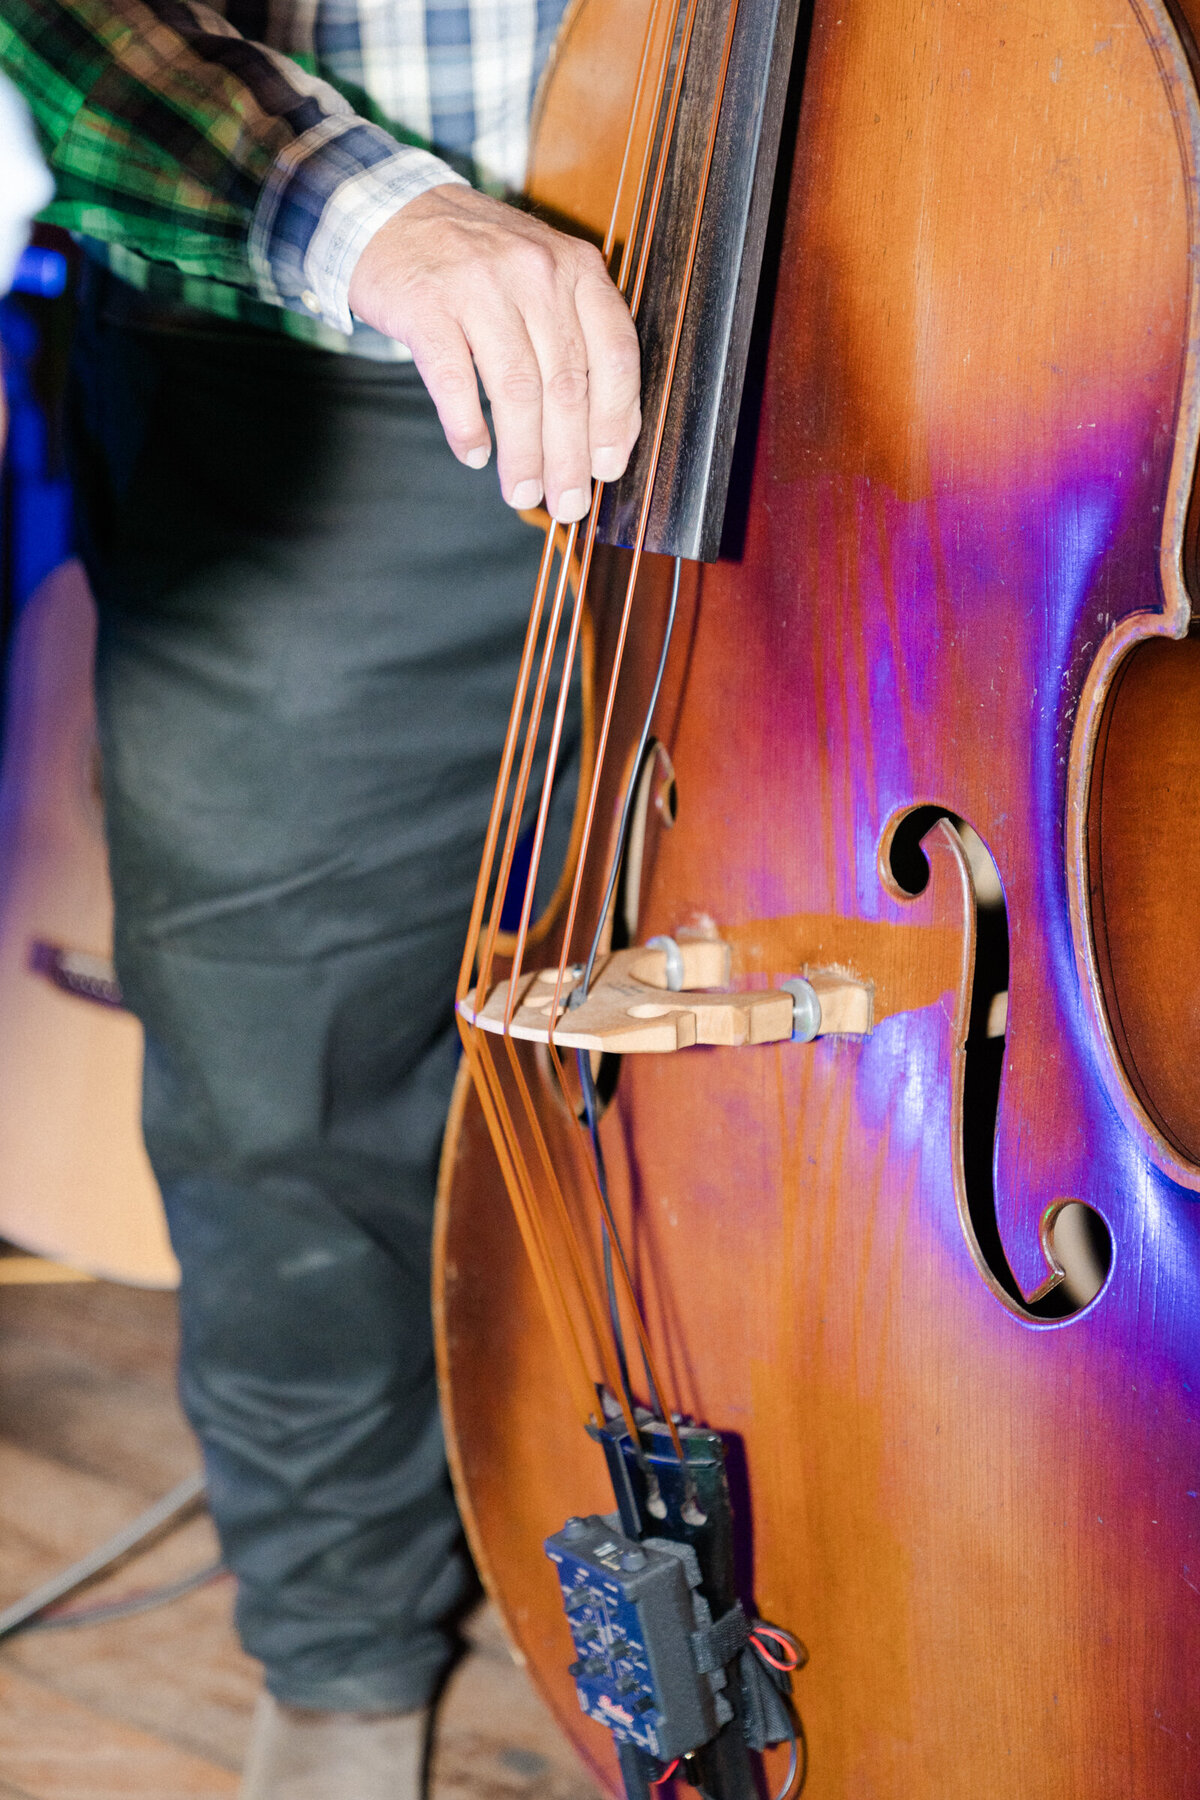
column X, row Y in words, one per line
column 666, row 1774
column 65, row 1610
column 780, row 1637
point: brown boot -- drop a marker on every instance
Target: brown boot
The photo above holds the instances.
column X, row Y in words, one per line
column 298, row 1754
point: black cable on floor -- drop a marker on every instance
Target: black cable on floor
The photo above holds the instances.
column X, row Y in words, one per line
column 148, row 1527
column 71, row 1618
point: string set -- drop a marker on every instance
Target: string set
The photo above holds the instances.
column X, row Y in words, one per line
column 585, row 1313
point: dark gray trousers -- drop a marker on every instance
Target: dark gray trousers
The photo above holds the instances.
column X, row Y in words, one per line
column 310, row 617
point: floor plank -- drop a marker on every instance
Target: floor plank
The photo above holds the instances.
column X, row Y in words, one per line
column 62, row 1509
column 53, row 1749
column 178, row 1671
column 495, row 1739
column 158, row 1706
column 73, row 1364
column 126, row 1331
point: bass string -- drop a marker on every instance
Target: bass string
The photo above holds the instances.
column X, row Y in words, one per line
column 503, row 1117
column 542, row 926
column 627, row 1290
column 543, row 812
column 677, row 334
column 585, row 563
column 498, row 1116
column 612, row 1240
column 525, row 1193
column 496, row 816
column 667, row 138
column 606, row 1339
column 521, row 787
column 518, row 1178
column 656, row 447
column 501, row 1127
column 487, row 868
column 501, row 1123
column 634, row 296
column 517, row 805
column 485, row 1079
column 523, row 1190
column 664, row 67
column 690, row 261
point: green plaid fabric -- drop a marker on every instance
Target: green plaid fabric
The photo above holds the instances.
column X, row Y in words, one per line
column 237, row 157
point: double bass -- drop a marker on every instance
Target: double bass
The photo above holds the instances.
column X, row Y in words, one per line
column 843, row 1102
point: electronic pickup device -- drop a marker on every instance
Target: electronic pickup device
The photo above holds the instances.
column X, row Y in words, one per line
column 644, row 1637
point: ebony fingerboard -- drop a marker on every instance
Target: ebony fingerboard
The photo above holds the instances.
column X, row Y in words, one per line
column 692, row 480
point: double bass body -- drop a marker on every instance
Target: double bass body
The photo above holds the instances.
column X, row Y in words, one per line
column 955, row 585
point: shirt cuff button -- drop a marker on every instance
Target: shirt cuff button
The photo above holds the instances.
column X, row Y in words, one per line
column 310, row 300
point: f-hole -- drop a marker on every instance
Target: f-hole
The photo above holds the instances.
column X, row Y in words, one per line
column 1078, row 1235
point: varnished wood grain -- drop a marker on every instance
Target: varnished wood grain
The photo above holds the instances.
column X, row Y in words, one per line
column 910, row 966
column 967, row 505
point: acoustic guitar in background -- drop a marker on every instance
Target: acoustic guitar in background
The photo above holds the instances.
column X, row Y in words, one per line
column 75, row 1182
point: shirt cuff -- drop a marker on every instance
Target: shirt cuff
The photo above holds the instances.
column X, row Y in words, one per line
column 326, row 197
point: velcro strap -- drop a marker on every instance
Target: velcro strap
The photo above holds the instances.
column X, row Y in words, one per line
column 720, row 1643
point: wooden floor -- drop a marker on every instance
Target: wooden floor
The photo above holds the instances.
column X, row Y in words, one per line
column 157, row 1706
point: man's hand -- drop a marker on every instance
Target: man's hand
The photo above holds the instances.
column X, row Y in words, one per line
column 455, row 276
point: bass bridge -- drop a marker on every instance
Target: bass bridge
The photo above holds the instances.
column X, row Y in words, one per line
column 669, row 994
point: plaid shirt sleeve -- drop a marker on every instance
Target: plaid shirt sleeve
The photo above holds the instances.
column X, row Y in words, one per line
column 168, row 132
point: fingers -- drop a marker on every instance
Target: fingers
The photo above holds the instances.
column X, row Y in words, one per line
column 614, row 373
column 443, row 359
column 467, row 282
column 566, row 460
column 532, row 360
column 512, row 378
column 561, row 368
column 554, row 383
column 588, row 357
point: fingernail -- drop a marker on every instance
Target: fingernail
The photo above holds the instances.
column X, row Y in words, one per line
column 573, row 505
column 479, row 457
column 525, row 495
column 607, row 463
